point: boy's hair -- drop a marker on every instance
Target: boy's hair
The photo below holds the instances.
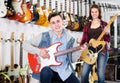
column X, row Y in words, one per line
column 53, row 14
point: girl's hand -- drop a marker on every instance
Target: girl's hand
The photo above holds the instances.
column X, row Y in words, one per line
column 84, row 46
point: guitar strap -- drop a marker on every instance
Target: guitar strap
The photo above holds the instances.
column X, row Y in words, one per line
column 69, row 45
column 45, row 42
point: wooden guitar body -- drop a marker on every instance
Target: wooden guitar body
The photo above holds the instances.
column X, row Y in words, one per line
column 46, row 23
column 46, row 12
column 42, row 17
column 76, row 26
column 27, row 13
column 90, row 57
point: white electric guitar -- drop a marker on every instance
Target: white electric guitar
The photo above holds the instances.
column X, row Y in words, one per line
column 37, row 63
column 3, row 9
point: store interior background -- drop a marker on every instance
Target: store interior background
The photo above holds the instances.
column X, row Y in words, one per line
column 29, row 29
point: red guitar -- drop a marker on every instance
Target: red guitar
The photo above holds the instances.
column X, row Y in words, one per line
column 37, row 63
column 18, row 10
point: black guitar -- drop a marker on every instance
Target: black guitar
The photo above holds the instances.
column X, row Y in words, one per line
column 10, row 9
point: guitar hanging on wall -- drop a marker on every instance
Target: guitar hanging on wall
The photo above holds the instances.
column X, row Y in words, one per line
column 42, row 18
column 27, row 13
column 21, row 51
column 18, row 14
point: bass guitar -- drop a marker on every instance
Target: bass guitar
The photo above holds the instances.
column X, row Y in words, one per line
column 36, row 63
column 88, row 55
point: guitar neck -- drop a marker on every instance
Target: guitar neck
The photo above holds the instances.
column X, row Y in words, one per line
column 108, row 26
column 78, row 7
column 21, row 51
column 67, row 51
column 21, row 55
column 12, row 50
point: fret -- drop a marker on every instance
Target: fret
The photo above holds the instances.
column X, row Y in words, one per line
column 70, row 6
column 21, row 51
column 45, row 3
column 56, row 6
column 80, row 7
column 86, row 8
column 50, row 4
column 65, row 5
column 38, row 3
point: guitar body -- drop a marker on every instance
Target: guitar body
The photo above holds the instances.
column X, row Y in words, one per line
column 10, row 9
column 46, row 23
column 88, row 56
column 36, row 63
column 27, row 13
column 42, row 17
column 3, row 9
column 76, row 26
column 70, row 23
column 17, row 5
column 46, row 12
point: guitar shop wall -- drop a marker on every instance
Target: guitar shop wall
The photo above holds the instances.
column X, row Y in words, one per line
column 22, row 23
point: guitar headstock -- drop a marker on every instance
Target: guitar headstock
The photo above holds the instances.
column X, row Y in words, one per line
column 22, row 37
column 12, row 37
column 113, row 18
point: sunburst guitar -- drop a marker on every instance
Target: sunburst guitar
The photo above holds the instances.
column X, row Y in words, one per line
column 27, row 13
column 42, row 17
column 46, row 12
column 88, row 55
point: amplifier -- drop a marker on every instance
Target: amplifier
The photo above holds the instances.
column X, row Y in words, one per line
column 117, row 72
column 110, row 72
